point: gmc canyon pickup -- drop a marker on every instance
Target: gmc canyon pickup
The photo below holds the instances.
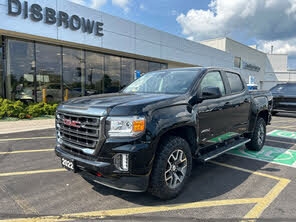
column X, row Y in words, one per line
column 145, row 137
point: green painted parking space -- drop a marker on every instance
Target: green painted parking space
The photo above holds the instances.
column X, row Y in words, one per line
column 285, row 134
column 268, row 154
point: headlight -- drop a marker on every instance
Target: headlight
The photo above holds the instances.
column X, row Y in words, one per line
column 125, row 126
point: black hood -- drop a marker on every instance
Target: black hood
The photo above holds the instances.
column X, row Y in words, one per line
column 119, row 103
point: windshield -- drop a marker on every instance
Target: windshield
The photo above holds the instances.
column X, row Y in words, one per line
column 167, row 82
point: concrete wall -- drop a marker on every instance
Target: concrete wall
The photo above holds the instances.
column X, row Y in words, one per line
column 219, row 43
column 120, row 36
column 276, row 70
column 248, row 55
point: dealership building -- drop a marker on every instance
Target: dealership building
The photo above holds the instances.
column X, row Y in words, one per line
column 71, row 50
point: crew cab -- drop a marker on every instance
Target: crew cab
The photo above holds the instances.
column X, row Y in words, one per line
column 145, row 137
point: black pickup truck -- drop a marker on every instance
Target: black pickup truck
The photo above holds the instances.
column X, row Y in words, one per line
column 145, row 137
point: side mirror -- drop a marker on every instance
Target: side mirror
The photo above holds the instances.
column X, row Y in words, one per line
column 211, row 93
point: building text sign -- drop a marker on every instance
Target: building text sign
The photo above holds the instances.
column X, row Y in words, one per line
column 51, row 17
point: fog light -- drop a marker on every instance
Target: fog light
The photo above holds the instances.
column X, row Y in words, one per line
column 121, row 161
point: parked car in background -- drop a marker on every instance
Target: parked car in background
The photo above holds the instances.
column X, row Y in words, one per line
column 284, row 97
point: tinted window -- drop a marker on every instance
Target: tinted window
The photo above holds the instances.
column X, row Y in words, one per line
column 48, row 76
column 278, row 89
column 94, row 73
column 20, row 70
column 127, row 71
column 74, row 73
column 237, row 62
column 142, row 66
column 236, row 84
column 291, row 88
column 213, row 79
column 154, row 66
column 1, row 68
column 112, row 74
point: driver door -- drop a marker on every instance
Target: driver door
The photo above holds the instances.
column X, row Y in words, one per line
column 212, row 113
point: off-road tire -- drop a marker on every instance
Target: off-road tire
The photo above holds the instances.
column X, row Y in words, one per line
column 255, row 144
column 158, row 186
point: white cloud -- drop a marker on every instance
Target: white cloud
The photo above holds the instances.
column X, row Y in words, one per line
column 142, row 6
column 122, row 4
column 80, row 2
column 97, row 3
column 271, row 22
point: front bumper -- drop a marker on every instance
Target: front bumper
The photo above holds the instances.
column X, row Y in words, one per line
column 89, row 168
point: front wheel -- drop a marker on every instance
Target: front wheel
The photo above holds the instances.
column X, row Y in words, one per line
column 258, row 137
column 172, row 168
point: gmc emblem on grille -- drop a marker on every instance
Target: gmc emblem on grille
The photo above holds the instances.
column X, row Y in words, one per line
column 72, row 123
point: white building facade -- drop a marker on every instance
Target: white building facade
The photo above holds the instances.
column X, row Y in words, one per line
column 71, row 50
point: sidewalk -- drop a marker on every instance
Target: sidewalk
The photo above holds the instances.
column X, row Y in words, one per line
column 24, row 126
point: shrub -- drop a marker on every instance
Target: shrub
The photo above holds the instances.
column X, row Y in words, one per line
column 20, row 110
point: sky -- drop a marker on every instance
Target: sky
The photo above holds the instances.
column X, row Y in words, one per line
column 264, row 23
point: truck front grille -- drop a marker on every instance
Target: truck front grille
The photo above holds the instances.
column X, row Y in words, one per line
column 78, row 133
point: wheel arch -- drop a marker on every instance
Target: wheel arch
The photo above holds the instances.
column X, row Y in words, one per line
column 187, row 132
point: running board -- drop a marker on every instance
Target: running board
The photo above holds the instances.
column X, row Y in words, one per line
column 219, row 151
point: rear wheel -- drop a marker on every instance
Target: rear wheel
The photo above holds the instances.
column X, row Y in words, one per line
column 172, row 168
column 258, row 137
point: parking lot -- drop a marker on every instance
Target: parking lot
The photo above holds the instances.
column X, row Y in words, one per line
column 239, row 184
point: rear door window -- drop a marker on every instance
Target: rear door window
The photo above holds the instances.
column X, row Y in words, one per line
column 236, row 84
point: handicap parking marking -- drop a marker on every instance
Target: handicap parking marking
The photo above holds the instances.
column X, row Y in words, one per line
column 284, row 134
column 268, row 154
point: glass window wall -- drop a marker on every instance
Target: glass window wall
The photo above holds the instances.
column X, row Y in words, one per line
column 112, row 74
column 48, row 72
column 73, row 73
column 163, row 66
column 20, row 70
column 154, row 66
column 61, row 71
column 94, row 73
column 142, row 66
column 127, row 71
column 1, row 69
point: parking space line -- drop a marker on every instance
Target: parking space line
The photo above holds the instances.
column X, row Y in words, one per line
column 26, row 151
column 139, row 210
column 31, row 138
column 283, row 121
column 258, row 209
column 31, row 172
column 260, row 203
column 268, row 199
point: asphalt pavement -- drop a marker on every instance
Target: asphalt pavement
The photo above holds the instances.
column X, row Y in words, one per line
column 238, row 186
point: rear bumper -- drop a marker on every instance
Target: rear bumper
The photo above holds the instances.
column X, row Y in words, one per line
column 89, row 168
